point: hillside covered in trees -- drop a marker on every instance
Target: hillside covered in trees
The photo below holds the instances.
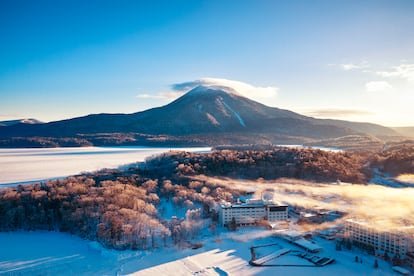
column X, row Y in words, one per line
column 298, row 163
column 281, row 162
column 124, row 209
column 119, row 209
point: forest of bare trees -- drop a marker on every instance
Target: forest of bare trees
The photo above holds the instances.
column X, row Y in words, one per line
column 395, row 159
column 301, row 163
column 118, row 209
column 309, row 164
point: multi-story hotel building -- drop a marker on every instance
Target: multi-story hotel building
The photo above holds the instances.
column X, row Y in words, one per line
column 252, row 212
column 395, row 241
column 410, row 259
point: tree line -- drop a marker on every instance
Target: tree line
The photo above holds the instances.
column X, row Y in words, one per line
column 309, row 164
column 117, row 208
column 301, row 163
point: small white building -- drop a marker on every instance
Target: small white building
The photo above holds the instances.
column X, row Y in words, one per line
column 396, row 241
column 252, row 212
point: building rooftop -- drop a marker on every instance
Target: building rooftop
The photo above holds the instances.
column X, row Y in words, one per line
column 250, row 203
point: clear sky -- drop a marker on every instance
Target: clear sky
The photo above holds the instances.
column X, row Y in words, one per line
column 345, row 59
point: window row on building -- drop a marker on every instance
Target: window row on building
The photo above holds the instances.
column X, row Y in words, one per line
column 394, row 242
column 251, row 213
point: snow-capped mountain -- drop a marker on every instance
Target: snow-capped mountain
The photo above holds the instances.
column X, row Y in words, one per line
column 204, row 110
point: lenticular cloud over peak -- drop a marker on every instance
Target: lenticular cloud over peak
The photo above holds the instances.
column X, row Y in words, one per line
column 244, row 89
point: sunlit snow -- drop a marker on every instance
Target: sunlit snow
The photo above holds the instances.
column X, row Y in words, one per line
column 227, row 253
column 235, row 114
column 25, row 165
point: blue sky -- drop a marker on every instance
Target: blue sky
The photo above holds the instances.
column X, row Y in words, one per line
column 350, row 60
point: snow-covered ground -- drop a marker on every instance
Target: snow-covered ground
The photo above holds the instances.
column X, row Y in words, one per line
column 227, row 253
column 401, row 181
column 312, row 147
column 28, row 165
column 52, row 253
column 235, row 114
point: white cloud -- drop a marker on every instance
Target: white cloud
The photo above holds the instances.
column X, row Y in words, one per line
column 402, row 71
column 349, row 66
column 354, row 66
column 169, row 95
column 146, row 96
column 377, row 86
column 257, row 93
column 263, row 94
column 337, row 113
column 245, row 89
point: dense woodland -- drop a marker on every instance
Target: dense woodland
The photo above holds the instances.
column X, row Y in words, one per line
column 43, row 142
column 298, row 163
column 395, row 158
column 101, row 139
column 124, row 209
column 301, row 163
column 118, row 209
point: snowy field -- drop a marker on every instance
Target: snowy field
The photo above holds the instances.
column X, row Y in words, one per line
column 28, row 165
column 229, row 255
column 49, row 253
column 52, row 253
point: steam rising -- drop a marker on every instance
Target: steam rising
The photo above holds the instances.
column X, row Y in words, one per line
column 407, row 178
column 389, row 207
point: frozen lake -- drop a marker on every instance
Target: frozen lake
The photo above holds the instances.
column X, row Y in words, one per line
column 28, row 165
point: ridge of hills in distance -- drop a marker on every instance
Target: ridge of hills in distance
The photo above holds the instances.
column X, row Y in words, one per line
column 207, row 115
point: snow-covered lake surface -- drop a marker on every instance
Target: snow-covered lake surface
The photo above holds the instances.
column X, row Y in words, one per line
column 28, row 165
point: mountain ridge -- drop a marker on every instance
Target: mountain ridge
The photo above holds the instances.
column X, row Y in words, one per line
column 205, row 110
column 30, row 121
column 407, row 131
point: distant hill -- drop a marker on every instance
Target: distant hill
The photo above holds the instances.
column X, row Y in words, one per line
column 208, row 115
column 405, row 131
column 20, row 121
